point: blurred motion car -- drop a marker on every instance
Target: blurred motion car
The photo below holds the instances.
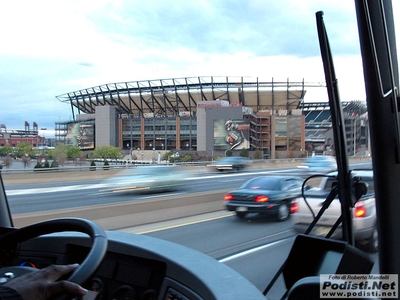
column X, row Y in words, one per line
column 147, row 179
column 364, row 212
column 230, row 163
column 319, row 164
column 267, row 195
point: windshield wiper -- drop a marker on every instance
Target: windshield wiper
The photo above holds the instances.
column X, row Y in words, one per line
column 344, row 175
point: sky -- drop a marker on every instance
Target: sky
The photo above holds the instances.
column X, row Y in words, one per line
column 52, row 47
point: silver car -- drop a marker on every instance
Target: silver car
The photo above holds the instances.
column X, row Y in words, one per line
column 147, row 179
column 319, row 164
column 230, row 163
column 364, row 212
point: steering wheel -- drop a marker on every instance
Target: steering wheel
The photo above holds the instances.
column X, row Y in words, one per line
column 89, row 264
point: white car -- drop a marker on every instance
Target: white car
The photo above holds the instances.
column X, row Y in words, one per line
column 147, row 179
column 319, row 164
column 364, row 212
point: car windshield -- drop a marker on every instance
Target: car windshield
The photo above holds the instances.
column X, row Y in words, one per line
column 263, row 183
column 230, row 160
column 318, row 159
column 147, row 170
column 158, row 156
column 331, row 182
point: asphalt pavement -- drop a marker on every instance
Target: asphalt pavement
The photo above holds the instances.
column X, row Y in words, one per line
column 125, row 215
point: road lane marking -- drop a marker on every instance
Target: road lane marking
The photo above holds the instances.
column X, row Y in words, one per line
column 55, row 189
column 253, row 250
column 143, row 229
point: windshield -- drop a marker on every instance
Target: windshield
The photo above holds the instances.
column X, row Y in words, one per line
column 117, row 104
column 319, row 159
column 263, row 183
column 331, row 182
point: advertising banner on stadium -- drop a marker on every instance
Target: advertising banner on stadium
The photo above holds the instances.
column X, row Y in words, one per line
column 80, row 134
column 231, row 134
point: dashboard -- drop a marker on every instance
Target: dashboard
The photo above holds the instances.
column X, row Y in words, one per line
column 139, row 267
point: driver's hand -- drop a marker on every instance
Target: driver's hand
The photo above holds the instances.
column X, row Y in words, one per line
column 43, row 285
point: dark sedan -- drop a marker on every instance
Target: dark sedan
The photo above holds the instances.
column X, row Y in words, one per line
column 230, row 163
column 268, row 195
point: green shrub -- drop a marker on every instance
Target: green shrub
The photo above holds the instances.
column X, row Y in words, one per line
column 244, row 152
column 186, row 158
column 257, row 154
column 106, row 165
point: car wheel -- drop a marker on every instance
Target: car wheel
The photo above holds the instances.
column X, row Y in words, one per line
column 283, row 212
column 240, row 214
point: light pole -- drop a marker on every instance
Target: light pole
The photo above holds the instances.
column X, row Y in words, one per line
column 43, row 139
column 355, row 137
column 130, row 125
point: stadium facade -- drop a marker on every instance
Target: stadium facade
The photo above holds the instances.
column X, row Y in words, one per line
column 199, row 113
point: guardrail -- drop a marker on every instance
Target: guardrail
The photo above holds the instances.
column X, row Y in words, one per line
column 121, row 164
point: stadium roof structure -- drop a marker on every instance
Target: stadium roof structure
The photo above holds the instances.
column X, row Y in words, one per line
column 172, row 97
column 354, row 108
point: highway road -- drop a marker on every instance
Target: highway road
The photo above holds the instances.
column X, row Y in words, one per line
column 29, row 198
column 36, row 197
column 256, row 246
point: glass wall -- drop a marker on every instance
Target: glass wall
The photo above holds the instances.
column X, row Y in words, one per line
column 159, row 133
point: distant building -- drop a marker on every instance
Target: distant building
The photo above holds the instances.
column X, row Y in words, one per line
column 188, row 113
column 319, row 133
column 207, row 114
column 14, row 137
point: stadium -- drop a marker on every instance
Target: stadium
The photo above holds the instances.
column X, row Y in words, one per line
column 206, row 114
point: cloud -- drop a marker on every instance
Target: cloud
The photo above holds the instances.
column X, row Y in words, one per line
column 52, row 47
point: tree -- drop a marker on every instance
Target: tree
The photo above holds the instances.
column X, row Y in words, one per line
column 80, row 158
column 63, row 152
column 59, row 153
column 6, row 150
column 22, row 149
column 73, row 152
column 106, row 152
column 59, row 149
column 26, row 160
column 62, row 158
column 7, row 161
